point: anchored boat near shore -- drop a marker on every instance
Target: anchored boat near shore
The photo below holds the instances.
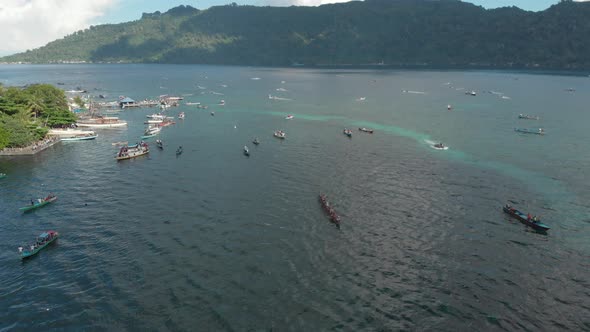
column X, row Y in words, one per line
column 102, row 122
column 85, row 137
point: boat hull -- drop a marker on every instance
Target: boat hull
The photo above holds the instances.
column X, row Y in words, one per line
column 73, row 139
column 539, row 226
column 132, row 155
column 102, row 125
column 27, row 254
column 38, row 205
column 528, row 131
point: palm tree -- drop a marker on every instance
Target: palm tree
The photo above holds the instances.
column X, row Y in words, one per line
column 34, row 106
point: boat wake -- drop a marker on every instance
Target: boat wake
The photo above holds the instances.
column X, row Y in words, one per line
column 414, row 92
column 271, row 97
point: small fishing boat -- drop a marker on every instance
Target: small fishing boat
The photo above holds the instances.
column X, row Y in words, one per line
column 42, row 241
column 79, row 138
column 221, row 103
column 449, row 107
column 39, row 203
column 366, row 130
column 133, row 151
column 533, row 222
column 347, row 132
column 246, row 151
column 528, row 117
column 440, row 146
column 159, row 144
column 334, row 217
column 179, row 151
column 279, row 134
column 3, row 175
column 120, row 143
column 361, row 99
column 289, row 117
column 471, row 93
column 181, row 115
column 212, row 113
column 256, row 141
column 539, row 131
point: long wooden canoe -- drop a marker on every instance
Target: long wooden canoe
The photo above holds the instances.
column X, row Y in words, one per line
column 38, row 204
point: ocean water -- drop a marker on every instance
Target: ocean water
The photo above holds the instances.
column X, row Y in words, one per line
column 213, row 240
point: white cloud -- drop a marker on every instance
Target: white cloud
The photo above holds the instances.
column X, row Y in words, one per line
column 28, row 24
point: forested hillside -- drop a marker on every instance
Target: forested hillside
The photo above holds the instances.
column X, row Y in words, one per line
column 391, row 32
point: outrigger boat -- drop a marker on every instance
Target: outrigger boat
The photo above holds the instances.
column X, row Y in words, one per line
column 539, row 131
column 347, row 132
column 246, row 151
column 528, row 117
column 42, row 241
column 279, row 134
column 366, row 130
column 526, row 219
column 334, row 217
column 39, row 203
column 132, row 151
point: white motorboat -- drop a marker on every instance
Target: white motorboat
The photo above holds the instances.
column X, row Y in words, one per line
column 156, row 116
column 70, row 132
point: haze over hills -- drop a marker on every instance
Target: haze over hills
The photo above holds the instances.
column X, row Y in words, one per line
column 443, row 33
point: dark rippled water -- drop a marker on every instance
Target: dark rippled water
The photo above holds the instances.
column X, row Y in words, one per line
column 213, row 240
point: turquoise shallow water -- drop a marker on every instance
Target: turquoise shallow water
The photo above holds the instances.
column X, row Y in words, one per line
column 223, row 242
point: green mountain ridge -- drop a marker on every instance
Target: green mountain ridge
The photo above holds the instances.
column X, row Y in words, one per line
column 443, row 33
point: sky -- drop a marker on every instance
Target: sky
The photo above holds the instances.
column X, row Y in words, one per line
column 28, row 24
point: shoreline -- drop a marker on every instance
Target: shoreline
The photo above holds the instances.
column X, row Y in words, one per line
column 32, row 149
